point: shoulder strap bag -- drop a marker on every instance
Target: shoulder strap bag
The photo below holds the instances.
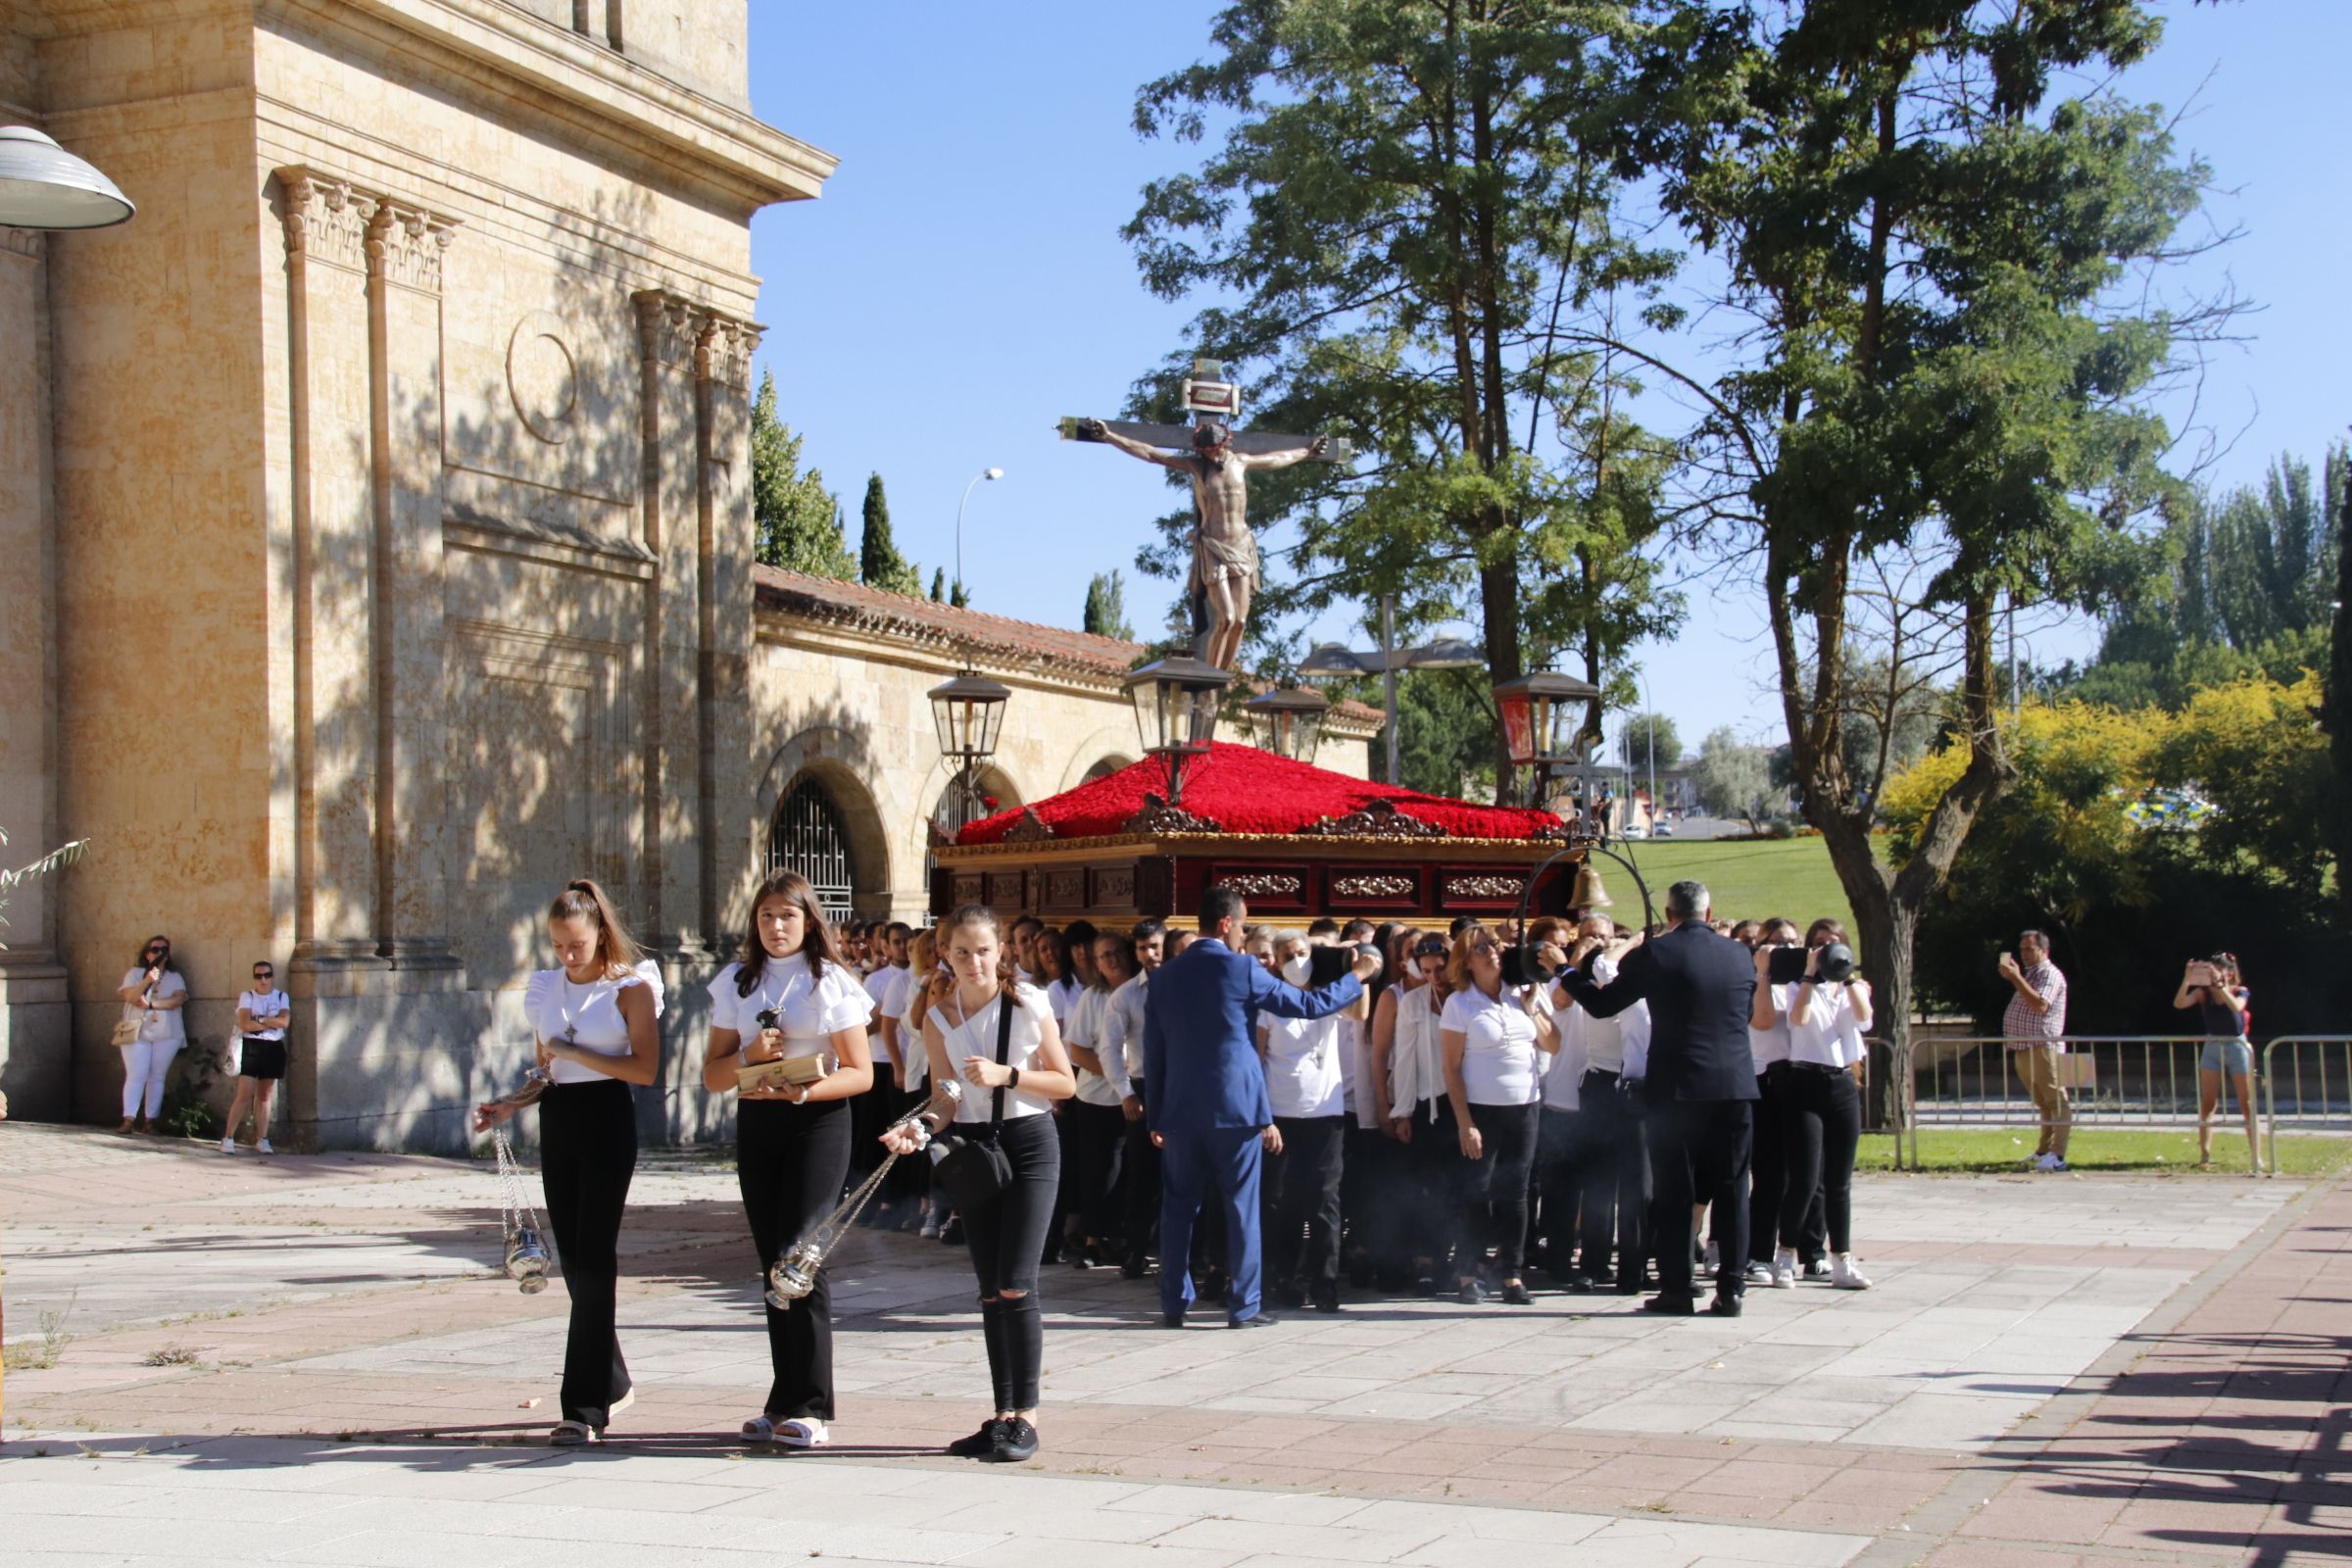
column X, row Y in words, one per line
column 973, row 1170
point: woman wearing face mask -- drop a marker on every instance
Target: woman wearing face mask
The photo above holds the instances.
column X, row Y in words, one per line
column 593, row 1016
column 789, row 995
column 1006, row 1103
column 1489, row 1036
column 1306, row 1152
column 153, row 993
column 1821, row 1110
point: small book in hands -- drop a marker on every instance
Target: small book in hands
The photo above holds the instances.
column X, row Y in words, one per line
column 790, row 1071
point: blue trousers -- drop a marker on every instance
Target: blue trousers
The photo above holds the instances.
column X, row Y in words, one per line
column 1192, row 1164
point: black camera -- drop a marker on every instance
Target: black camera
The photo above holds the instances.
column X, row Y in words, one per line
column 1784, row 965
column 1836, row 966
column 1326, row 963
column 1523, row 965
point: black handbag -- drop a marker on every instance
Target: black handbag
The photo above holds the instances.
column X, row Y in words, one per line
column 972, row 1170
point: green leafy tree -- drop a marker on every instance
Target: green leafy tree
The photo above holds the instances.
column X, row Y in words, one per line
column 1411, row 209
column 1107, row 607
column 879, row 564
column 796, row 523
column 1733, row 778
column 1938, row 359
column 1647, row 738
column 1444, row 733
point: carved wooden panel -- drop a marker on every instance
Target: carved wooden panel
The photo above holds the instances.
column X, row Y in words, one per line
column 1353, row 887
column 1007, row 891
column 1065, row 888
column 1470, row 888
column 1271, row 888
column 970, row 888
column 1113, row 887
column 1156, row 886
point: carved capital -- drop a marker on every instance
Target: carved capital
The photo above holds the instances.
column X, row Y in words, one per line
column 405, row 243
column 325, row 219
column 669, row 327
column 722, row 351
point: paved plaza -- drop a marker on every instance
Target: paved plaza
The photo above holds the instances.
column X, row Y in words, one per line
column 255, row 1357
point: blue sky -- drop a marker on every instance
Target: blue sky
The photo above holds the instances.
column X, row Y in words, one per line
column 962, row 283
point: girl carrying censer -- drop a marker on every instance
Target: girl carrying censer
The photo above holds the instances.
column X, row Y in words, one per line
column 791, row 1007
column 593, row 1018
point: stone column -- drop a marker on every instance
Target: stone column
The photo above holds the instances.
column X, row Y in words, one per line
column 725, row 540
column 405, row 246
column 35, row 1021
column 668, row 329
column 337, row 898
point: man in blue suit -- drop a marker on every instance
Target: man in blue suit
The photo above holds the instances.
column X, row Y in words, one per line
column 1206, row 1094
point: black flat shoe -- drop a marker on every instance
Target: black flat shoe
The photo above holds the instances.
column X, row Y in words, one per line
column 1629, row 1286
column 980, row 1445
column 1579, row 1285
column 1724, row 1305
column 952, row 1233
column 1471, row 1293
column 1016, row 1440
column 1424, row 1285
column 1515, row 1294
column 1135, row 1266
column 1171, row 1320
column 1327, row 1300
column 1289, row 1298
column 1261, row 1321
column 1671, row 1305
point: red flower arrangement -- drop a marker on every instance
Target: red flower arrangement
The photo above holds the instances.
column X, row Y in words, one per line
column 989, row 801
column 1247, row 790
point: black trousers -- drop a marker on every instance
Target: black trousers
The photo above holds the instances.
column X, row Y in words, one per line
column 1698, row 1154
column 1373, row 1188
column 1820, row 1129
column 1493, row 1191
column 1007, row 1235
column 1301, row 1199
column 1559, row 1184
column 1613, row 1160
column 1094, row 1137
column 1139, row 1169
column 587, row 1155
column 1769, row 1177
column 1432, row 1168
column 790, row 1163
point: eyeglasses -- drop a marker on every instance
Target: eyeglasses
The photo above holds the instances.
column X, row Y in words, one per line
column 1482, row 949
column 265, row 974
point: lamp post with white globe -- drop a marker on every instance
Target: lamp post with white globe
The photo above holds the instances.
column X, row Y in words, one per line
column 985, row 474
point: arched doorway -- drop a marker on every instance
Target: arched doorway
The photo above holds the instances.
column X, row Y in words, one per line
column 809, row 834
column 1107, row 766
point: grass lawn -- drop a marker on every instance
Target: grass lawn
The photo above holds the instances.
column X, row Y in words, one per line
column 1751, row 881
column 1997, row 1150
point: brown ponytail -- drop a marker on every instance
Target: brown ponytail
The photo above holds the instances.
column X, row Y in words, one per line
column 585, row 900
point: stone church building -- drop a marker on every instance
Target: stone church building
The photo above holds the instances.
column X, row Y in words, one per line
column 375, row 547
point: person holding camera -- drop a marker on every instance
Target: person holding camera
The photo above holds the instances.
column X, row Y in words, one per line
column 2212, row 986
column 790, row 998
column 1826, row 1011
column 1490, row 1038
column 1777, row 946
column 150, row 1034
column 2033, row 1025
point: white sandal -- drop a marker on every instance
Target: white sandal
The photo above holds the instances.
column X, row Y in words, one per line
column 759, row 1429
column 571, row 1435
column 803, row 1432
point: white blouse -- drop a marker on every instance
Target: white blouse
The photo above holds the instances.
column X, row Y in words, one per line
column 1304, row 1070
column 810, row 1009
column 263, row 1005
column 976, row 1035
column 914, row 1062
column 1083, row 1025
column 158, row 1025
column 587, row 1016
column 1824, row 1029
column 1499, row 1045
column 1416, row 1067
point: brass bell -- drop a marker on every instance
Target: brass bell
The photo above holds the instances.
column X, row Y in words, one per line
column 528, row 1261
column 1590, row 892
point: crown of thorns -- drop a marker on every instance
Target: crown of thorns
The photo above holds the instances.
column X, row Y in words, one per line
column 1210, row 434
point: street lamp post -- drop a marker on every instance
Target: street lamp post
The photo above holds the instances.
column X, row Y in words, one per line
column 1176, row 713
column 1330, row 660
column 985, row 474
column 969, row 712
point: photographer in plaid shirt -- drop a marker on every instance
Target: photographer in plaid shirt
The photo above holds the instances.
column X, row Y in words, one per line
column 2035, row 1024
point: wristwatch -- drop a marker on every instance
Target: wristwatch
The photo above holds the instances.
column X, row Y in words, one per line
column 1013, row 1082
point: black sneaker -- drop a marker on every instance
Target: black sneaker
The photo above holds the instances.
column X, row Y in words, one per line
column 1016, row 1440
column 982, row 1444
column 1724, row 1305
column 1514, row 1294
column 1471, row 1293
column 1288, row 1296
column 1135, row 1266
column 1580, row 1284
column 952, row 1233
column 1089, row 1257
column 1327, row 1299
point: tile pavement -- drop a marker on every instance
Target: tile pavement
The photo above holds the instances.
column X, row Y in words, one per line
column 1982, row 1403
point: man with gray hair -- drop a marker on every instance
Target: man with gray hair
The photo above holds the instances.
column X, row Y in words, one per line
column 1698, row 1088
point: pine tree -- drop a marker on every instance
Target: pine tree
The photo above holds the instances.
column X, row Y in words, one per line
column 1107, row 607
column 795, row 524
column 879, row 564
column 939, row 586
column 960, row 596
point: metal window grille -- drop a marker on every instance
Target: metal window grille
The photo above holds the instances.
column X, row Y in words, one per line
column 807, row 837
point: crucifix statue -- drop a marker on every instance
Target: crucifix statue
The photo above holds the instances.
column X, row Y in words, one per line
column 1216, row 457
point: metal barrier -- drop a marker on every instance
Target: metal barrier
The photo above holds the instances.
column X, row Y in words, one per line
column 2317, row 1099
column 2106, row 1081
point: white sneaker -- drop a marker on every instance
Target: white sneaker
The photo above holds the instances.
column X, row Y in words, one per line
column 1714, row 1259
column 1818, row 1269
column 1758, row 1273
column 1783, row 1269
column 930, row 1227
column 1843, row 1276
column 229, row 1146
column 2057, row 1162
column 262, row 1147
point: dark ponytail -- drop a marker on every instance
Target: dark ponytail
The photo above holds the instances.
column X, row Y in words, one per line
column 583, row 899
column 817, row 945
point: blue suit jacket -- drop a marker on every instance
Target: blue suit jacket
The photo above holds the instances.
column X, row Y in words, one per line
column 1200, row 1066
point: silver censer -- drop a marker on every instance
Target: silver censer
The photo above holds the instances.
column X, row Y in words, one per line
column 794, row 1275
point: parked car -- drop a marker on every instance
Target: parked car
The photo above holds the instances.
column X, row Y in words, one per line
column 1665, row 831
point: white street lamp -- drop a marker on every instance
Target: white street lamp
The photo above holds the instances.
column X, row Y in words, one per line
column 44, row 186
column 985, row 474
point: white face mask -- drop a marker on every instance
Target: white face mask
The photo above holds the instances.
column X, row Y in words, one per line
column 1299, row 970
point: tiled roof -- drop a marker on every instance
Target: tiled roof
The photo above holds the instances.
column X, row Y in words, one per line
column 928, row 622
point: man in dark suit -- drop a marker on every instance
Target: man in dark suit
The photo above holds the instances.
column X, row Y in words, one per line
column 1699, row 1089
column 1205, row 1094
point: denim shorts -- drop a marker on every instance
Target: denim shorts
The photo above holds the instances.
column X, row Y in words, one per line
column 2227, row 1057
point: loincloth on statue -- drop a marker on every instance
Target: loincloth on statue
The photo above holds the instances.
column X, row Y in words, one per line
column 1222, row 560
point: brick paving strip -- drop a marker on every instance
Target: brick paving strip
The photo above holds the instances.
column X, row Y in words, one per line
column 2224, row 1428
